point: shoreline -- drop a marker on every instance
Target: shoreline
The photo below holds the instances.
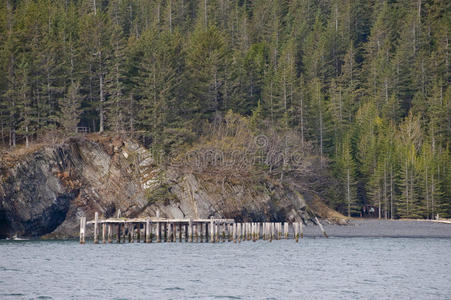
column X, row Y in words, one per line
column 402, row 228
column 356, row 227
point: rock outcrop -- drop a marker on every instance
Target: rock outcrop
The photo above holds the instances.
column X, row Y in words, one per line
column 46, row 191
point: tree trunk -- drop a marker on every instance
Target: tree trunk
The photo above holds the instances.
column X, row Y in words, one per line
column 101, row 112
column 407, row 189
column 102, row 96
column 170, row 16
column 320, row 126
column 302, row 119
column 427, row 194
column 27, row 142
column 3, row 134
column 348, row 191
column 379, row 205
column 206, row 14
column 385, row 193
column 432, row 196
column 391, row 192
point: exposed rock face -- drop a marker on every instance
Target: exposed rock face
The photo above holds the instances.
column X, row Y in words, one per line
column 48, row 190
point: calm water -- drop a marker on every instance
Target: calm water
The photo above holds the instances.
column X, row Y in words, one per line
column 316, row 268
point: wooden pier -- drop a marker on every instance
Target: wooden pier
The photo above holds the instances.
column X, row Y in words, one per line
column 148, row 230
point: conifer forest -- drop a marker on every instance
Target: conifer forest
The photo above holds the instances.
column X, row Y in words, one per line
column 362, row 85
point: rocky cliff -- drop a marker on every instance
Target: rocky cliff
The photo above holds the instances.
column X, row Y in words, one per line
column 45, row 191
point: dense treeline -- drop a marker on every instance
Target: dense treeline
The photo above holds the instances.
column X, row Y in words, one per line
column 365, row 81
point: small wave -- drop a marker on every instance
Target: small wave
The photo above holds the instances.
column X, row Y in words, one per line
column 174, row 289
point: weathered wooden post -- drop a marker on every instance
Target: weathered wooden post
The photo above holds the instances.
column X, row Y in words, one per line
column 285, row 230
column 254, row 238
column 301, row 229
column 186, row 232
column 296, row 231
column 258, row 230
column 158, row 233
column 201, row 232
column 96, row 228
column 133, row 234
column 269, row 231
column 169, row 232
column 212, row 230
column 82, row 229
column 247, row 233
column 103, row 233
column 124, row 229
column 217, row 232
column 129, row 232
column 147, row 231
column 180, row 232
column 234, row 232
column 223, row 231
column 321, row 227
column 190, row 230
column 273, row 230
column 165, row 232
column 151, row 235
column 238, row 232
column 110, row 233
column 195, row 233
column 174, row 232
column 138, row 232
column 219, row 235
column 119, row 233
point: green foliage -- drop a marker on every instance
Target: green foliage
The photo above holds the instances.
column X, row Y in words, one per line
column 365, row 84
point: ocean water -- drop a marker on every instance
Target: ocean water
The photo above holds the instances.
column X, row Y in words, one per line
column 315, row 268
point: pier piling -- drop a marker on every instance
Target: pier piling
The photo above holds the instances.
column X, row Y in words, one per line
column 96, row 229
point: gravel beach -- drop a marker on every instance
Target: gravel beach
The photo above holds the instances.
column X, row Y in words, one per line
column 383, row 228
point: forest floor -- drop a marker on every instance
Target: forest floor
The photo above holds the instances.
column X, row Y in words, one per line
column 384, row 228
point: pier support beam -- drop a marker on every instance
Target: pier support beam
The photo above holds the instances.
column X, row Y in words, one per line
column 174, row 232
column 82, row 229
column 321, row 227
column 296, row 231
column 147, row 231
column 301, row 229
column 110, row 233
column 158, row 233
column 186, row 233
column 96, row 228
column 190, row 230
column 103, row 233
